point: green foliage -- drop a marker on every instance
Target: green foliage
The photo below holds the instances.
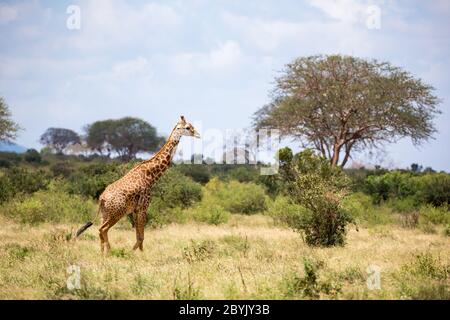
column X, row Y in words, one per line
column 9, row 159
column 199, row 250
column 91, row 180
column 172, row 193
column 312, row 183
column 17, row 251
column 177, row 190
column 62, row 169
column 19, row 180
column 237, row 197
column 309, row 286
column 435, row 215
column 340, row 104
column 433, row 188
column 285, row 212
column 8, row 128
column 126, row 136
column 32, row 156
column 209, row 212
column 362, row 209
column 198, row 173
column 243, row 173
column 425, row 277
column 59, row 139
column 52, row 205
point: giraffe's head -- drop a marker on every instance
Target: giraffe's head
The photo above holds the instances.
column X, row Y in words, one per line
column 185, row 128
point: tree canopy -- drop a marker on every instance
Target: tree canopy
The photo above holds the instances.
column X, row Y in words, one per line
column 339, row 105
column 8, row 128
column 59, row 138
column 126, row 137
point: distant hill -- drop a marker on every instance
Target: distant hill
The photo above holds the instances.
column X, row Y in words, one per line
column 12, row 147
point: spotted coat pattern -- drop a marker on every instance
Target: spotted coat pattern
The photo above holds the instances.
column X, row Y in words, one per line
column 131, row 194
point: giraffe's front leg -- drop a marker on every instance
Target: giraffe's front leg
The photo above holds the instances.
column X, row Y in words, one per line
column 141, row 219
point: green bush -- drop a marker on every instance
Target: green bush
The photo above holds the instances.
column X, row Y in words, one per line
column 435, row 215
column 62, row 169
column 177, row 190
column 32, row 156
column 424, row 277
column 362, row 209
column 52, row 205
column 92, row 179
column 311, row 182
column 284, row 212
column 9, row 159
column 432, row 188
column 19, row 180
column 310, row 286
column 237, row 197
column 198, row 173
column 173, row 193
column 209, row 213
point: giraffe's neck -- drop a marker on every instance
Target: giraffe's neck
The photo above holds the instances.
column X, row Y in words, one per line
column 160, row 162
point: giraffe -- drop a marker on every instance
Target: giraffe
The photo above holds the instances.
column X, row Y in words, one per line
column 131, row 194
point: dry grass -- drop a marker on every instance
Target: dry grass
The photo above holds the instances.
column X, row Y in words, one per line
column 247, row 258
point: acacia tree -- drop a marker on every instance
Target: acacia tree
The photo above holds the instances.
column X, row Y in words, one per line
column 8, row 128
column 126, row 137
column 59, row 138
column 339, row 105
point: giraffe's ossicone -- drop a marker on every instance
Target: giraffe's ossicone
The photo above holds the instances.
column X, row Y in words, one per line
column 131, row 194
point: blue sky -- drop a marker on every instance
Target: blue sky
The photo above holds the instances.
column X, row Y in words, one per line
column 213, row 61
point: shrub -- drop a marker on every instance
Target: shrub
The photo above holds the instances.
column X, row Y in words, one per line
column 209, row 213
column 53, row 205
column 198, row 173
column 32, row 156
column 62, row 169
column 9, row 159
column 284, row 212
column 434, row 188
column 173, row 193
column 309, row 285
column 425, row 277
column 91, row 180
column 435, row 215
column 361, row 208
column 177, row 190
column 312, row 183
column 237, row 197
column 18, row 180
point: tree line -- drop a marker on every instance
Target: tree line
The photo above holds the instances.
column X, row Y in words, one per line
column 125, row 137
column 337, row 105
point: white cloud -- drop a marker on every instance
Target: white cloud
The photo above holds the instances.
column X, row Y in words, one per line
column 138, row 69
column 8, row 13
column 110, row 24
column 299, row 37
column 226, row 56
column 350, row 11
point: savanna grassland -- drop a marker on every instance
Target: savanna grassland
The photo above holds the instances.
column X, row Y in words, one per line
column 246, row 258
column 224, row 232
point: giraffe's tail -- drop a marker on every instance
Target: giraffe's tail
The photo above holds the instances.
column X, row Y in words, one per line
column 90, row 223
column 83, row 228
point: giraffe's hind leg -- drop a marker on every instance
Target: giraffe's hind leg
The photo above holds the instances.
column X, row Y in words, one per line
column 141, row 218
column 103, row 231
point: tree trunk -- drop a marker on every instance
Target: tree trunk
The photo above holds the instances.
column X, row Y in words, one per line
column 335, row 158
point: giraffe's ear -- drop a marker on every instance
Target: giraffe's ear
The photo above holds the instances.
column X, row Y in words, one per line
column 182, row 119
